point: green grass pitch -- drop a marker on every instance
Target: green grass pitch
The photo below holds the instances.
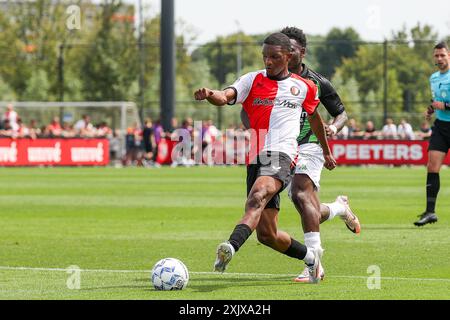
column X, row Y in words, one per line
column 116, row 223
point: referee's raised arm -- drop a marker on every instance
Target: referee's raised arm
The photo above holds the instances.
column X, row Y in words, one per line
column 215, row 97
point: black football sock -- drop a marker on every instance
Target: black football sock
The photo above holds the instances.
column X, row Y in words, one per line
column 296, row 250
column 433, row 185
column 240, row 234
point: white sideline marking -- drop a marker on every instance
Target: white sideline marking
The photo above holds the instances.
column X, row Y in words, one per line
column 217, row 274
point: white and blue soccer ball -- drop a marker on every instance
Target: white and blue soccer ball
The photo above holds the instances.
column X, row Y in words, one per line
column 170, row 274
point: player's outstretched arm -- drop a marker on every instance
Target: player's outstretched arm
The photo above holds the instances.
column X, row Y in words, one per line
column 318, row 128
column 215, row 97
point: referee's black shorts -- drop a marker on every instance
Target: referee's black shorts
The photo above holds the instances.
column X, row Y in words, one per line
column 273, row 164
column 440, row 136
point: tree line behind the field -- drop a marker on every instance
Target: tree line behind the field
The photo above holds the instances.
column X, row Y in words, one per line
column 105, row 59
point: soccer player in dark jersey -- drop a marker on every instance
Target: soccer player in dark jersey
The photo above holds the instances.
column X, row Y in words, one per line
column 440, row 136
column 305, row 184
column 274, row 99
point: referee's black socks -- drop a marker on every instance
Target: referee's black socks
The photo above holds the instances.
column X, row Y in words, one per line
column 433, row 185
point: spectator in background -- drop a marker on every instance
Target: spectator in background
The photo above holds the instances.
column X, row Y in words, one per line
column 131, row 146
column 103, row 130
column 405, row 130
column 114, row 146
column 84, row 127
column 370, row 133
column 34, row 129
column 11, row 116
column 7, row 130
column 54, row 128
column 389, row 130
column 187, row 124
column 44, row 131
column 424, row 132
column 173, row 124
column 211, row 132
column 22, row 131
column 354, row 132
column 67, row 130
column 158, row 133
column 148, row 139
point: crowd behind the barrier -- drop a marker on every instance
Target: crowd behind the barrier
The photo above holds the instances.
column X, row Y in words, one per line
column 142, row 142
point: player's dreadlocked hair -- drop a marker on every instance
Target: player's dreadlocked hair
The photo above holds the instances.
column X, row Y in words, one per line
column 441, row 45
column 296, row 34
column 279, row 39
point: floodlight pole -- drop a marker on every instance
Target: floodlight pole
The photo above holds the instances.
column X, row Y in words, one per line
column 385, row 81
column 61, row 79
column 141, row 61
column 167, row 77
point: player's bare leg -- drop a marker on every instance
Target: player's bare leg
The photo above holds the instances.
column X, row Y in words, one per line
column 435, row 160
column 341, row 208
column 264, row 188
column 269, row 235
column 307, row 204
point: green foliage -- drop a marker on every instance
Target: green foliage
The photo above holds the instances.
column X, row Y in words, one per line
column 102, row 60
column 110, row 66
column 409, row 65
column 224, row 53
column 37, row 87
column 349, row 93
column 6, row 93
column 339, row 44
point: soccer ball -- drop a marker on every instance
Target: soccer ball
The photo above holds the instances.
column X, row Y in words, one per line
column 170, row 274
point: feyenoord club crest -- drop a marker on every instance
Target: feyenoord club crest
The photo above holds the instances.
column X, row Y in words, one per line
column 295, row 91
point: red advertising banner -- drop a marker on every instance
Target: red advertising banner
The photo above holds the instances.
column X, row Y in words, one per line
column 54, row 152
column 396, row 152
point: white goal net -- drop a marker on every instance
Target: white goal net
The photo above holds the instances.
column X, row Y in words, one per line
column 117, row 115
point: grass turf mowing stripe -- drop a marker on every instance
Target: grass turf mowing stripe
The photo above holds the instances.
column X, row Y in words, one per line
column 237, row 274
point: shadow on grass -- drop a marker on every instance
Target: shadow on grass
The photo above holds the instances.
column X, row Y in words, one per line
column 405, row 227
column 219, row 283
column 204, row 284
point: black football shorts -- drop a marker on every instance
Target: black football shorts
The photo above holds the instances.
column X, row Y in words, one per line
column 440, row 136
column 273, row 164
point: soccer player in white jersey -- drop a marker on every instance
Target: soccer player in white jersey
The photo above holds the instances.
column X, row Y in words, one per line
column 274, row 100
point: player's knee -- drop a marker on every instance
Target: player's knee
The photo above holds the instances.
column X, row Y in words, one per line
column 266, row 238
column 256, row 200
column 433, row 167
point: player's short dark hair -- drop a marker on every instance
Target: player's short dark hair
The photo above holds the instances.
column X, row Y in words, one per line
column 296, row 34
column 441, row 45
column 279, row 39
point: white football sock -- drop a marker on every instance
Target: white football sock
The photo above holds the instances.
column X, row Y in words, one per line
column 336, row 209
column 312, row 240
column 309, row 258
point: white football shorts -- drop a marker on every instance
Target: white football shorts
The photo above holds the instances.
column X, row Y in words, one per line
column 310, row 162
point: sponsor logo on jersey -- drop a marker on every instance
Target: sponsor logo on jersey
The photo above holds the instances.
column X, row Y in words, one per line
column 263, row 102
column 295, row 91
column 270, row 102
